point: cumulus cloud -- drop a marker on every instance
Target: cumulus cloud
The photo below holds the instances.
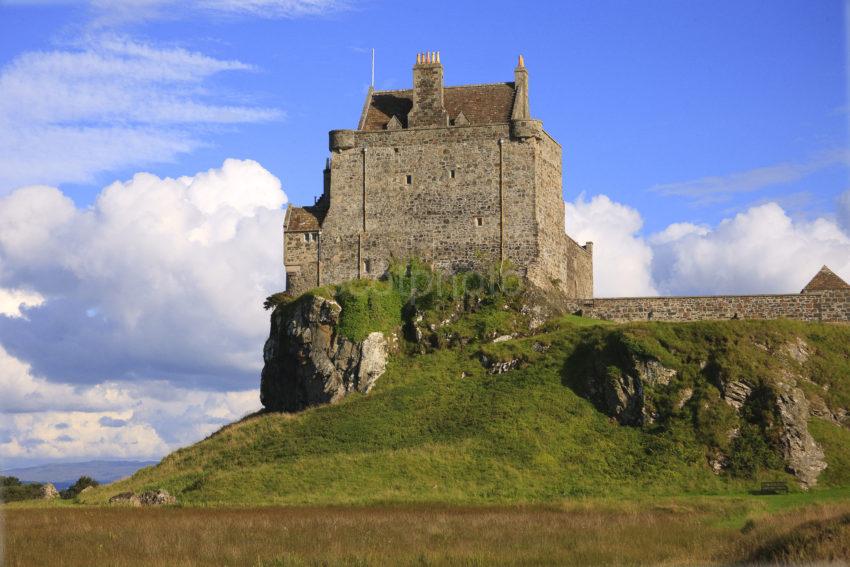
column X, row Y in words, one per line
column 621, row 257
column 159, row 279
column 35, row 437
column 66, row 115
column 14, row 302
column 42, row 420
column 761, row 250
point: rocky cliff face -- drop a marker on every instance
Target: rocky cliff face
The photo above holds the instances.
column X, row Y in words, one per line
column 625, row 386
column 308, row 362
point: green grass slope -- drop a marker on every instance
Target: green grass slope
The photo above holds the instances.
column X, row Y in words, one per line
column 438, row 427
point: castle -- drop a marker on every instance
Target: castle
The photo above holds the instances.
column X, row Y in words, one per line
column 462, row 177
column 465, row 179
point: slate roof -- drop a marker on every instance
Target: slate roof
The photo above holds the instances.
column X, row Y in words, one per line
column 824, row 280
column 302, row 219
column 480, row 104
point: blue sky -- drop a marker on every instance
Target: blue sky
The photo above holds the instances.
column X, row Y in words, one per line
column 148, row 149
column 640, row 94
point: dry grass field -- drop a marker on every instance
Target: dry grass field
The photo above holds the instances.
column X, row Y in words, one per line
column 692, row 533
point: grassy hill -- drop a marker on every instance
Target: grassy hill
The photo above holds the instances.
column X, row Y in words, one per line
column 439, row 427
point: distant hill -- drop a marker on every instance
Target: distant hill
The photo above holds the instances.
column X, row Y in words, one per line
column 63, row 475
column 477, row 405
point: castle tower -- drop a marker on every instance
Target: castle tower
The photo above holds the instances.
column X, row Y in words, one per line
column 461, row 177
column 428, row 105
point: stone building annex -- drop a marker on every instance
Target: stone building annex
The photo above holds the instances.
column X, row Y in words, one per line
column 464, row 178
column 461, row 177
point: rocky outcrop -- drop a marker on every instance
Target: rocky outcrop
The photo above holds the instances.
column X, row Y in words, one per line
column 495, row 366
column 803, row 456
column 126, row 499
column 157, row 497
column 48, row 492
column 621, row 391
column 625, row 386
column 308, row 362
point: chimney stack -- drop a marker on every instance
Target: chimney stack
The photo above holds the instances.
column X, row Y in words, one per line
column 428, row 108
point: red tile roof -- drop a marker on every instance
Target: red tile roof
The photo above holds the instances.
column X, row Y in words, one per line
column 824, row 280
column 480, row 104
column 301, row 219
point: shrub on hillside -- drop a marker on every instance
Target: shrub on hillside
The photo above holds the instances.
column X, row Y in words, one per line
column 276, row 299
column 82, row 483
column 13, row 490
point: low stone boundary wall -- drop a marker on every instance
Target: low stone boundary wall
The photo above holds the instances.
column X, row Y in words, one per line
column 833, row 305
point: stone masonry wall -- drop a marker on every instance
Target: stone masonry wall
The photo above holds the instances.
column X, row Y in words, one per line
column 300, row 257
column 434, row 215
column 562, row 263
column 814, row 306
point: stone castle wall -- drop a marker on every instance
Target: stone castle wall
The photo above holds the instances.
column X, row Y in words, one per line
column 831, row 305
column 460, row 195
column 392, row 194
column 562, row 263
column 301, row 254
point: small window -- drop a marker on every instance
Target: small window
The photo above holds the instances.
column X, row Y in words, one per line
column 452, row 173
column 306, row 237
column 479, row 221
column 367, row 266
column 395, row 150
column 409, row 180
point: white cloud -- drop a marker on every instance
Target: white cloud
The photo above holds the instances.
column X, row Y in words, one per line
column 46, row 420
column 109, row 13
column 36, row 437
column 621, row 257
column 761, row 250
column 273, row 8
column 68, row 115
column 720, row 188
column 14, row 302
column 844, row 210
column 160, row 279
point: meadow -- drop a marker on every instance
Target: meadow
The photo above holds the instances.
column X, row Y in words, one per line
column 796, row 528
